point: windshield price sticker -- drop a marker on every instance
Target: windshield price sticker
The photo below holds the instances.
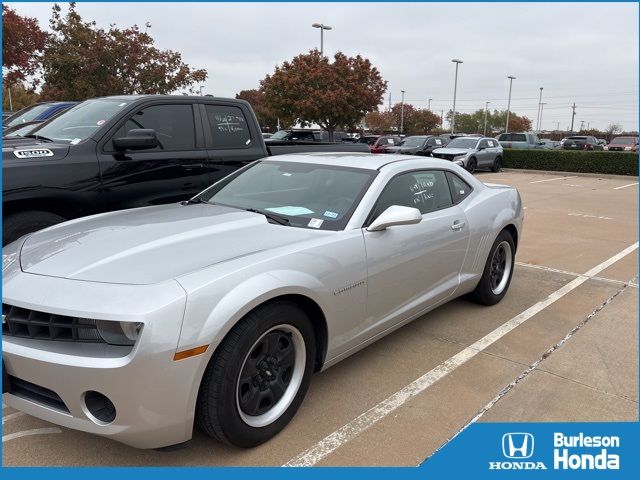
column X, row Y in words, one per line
column 315, row 223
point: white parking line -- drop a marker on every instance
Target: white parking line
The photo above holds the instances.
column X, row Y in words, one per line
column 369, row 418
column 625, row 186
column 630, row 283
column 554, row 179
column 11, row 416
column 27, row 433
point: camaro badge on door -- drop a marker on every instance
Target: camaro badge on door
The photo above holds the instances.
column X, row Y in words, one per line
column 33, row 153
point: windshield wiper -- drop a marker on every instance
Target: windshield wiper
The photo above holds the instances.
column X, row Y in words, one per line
column 39, row 137
column 194, row 201
column 274, row 218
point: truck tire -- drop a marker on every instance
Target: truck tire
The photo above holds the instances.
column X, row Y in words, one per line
column 258, row 376
column 19, row 224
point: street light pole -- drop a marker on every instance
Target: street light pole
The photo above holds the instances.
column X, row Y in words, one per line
column 322, row 28
column 486, row 106
column 511, row 79
column 402, row 114
column 429, row 104
column 542, row 104
column 455, row 91
column 538, row 120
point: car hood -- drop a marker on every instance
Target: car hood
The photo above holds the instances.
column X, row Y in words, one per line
column 453, row 151
column 402, row 149
column 152, row 244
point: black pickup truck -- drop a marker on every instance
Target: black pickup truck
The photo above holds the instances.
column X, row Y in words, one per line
column 121, row 152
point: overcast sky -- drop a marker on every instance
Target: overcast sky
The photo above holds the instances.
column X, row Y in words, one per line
column 584, row 53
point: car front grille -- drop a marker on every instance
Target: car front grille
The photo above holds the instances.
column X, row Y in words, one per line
column 36, row 393
column 25, row 323
column 444, row 156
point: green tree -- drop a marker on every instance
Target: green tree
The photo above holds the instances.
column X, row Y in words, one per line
column 337, row 94
column 81, row 60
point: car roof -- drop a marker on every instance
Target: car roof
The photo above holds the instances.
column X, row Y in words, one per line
column 368, row 161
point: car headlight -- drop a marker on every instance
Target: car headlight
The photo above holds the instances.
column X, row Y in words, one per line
column 119, row 333
column 627, row 148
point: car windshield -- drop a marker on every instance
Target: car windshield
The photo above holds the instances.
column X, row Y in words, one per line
column 81, row 121
column 296, row 194
column 21, row 131
column 412, row 142
column 463, row 143
column 28, row 114
column 280, row 135
column 623, row 141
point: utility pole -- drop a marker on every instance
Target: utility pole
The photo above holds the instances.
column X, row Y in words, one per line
column 588, row 125
column 429, row 104
column 402, row 114
column 511, row 79
column 542, row 104
column 389, row 101
column 538, row 122
column 573, row 115
column 441, row 119
column 558, row 126
column 486, row 106
column 581, row 125
column 455, row 90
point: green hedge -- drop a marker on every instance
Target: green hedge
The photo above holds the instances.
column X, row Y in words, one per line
column 619, row 163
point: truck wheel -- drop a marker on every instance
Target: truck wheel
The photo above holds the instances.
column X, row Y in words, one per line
column 498, row 271
column 258, row 376
column 19, row 224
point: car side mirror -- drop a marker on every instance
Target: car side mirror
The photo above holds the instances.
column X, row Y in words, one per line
column 137, row 139
column 481, row 147
column 395, row 215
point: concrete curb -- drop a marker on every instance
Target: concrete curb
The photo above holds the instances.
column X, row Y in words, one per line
column 579, row 174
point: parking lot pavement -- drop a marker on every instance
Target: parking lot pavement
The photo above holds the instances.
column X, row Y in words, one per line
column 569, row 323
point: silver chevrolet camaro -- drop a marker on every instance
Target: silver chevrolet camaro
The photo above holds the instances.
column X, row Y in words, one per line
column 135, row 324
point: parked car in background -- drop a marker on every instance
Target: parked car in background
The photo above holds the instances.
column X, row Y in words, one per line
column 120, row 152
column 218, row 310
column 549, row 144
column 417, row 145
column 623, row 144
column 368, row 139
column 519, row 140
column 304, row 135
column 581, row 142
column 267, row 135
column 602, row 142
column 6, row 114
column 38, row 112
column 384, row 142
column 472, row 153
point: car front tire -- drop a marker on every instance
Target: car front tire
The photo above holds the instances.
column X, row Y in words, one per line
column 497, row 165
column 258, row 376
column 498, row 271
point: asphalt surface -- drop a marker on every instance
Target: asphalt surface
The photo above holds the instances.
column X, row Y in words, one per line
column 561, row 346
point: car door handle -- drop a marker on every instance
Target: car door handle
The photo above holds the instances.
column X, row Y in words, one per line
column 193, row 167
column 457, row 225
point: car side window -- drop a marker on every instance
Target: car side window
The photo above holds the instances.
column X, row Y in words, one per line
column 426, row 190
column 483, row 144
column 173, row 125
column 490, row 143
column 459, row 188
column 229, row 126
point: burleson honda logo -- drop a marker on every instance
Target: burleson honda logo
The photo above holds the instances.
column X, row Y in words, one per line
column 518, row 448
column 570, row 452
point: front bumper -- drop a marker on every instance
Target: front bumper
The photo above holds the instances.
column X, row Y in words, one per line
column 153, row 395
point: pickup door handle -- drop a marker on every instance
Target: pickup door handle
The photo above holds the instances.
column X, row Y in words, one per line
column 457, row 225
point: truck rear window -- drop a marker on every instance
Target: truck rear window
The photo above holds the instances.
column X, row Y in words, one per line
column 228, row 126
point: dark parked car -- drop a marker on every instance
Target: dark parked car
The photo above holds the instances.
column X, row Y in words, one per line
column 623, row 144
column 38, row 112
column 384, row 142
column 579, row 142
column 288, row 136
column 417, row 145
column 122, row 152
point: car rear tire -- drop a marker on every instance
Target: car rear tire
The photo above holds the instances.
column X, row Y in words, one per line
column 497, row 165
column 498, row 271
column 258, row 376
column 19, row 224
column 472, row 165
